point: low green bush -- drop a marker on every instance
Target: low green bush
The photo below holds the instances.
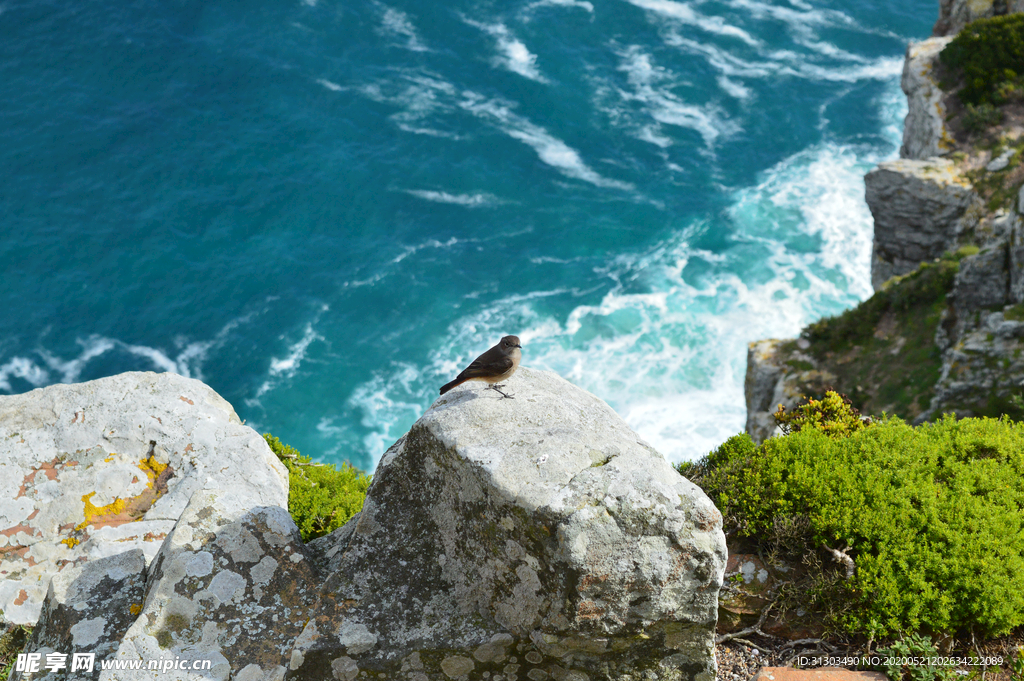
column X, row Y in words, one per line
column 931, row 515
column 321, row 497
column 925, row 286
column 989, row 54
column 915, row 647
column 833, row 415
column 980, row 118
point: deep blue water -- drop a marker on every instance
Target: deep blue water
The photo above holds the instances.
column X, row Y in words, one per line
column 325, row 208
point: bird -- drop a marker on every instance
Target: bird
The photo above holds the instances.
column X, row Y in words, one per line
column 494, row 366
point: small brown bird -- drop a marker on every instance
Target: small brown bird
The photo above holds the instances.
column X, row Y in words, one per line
column 494, row 366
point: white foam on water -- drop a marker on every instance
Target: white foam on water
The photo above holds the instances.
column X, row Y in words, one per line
column 333, row 87
column 468, row 200
column 514, row 55
column 420, row 96
column 25, row 369
column 284, row 368
column 668, row 351
column 685, row 14
column 187, row 360
column 551, row 150
column 776, row 63
column 580, row 4
column 396, row 23
column 651, row 86
column 430, row 243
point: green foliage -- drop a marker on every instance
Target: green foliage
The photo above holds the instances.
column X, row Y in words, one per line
column 321, row 497
column 927, row 285
column 833, row 415
column 989, row 53
column 12, row 641
column 931, row 515
column 919, row 647
column 1017, row 664
column 980, row 118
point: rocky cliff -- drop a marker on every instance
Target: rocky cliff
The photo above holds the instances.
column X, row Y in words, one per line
column 944, row 331
column 528, row 538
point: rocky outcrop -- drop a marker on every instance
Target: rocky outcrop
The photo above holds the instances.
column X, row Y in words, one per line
column 779, row 373
column 954, row 15
column 924, row 131
column 535, row 537
column 89, row 607
column 920, row 209
column 101, row 468
column 528, row 538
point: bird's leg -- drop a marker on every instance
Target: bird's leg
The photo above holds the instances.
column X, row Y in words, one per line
column 496, row 388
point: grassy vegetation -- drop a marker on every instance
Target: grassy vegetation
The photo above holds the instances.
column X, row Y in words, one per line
column 12, row 641
column 989, row 55
column 931, row 515
column 890, row 368
column 321, row 497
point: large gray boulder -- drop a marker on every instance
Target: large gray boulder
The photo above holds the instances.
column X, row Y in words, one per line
column 98, row 469
column 924, row 131
column 920, row 209
column 528, row 538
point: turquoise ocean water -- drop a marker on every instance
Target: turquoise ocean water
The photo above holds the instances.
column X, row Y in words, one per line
column 325, row 208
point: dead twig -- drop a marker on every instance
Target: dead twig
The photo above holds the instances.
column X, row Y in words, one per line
column 840, row 556
column 756, row 629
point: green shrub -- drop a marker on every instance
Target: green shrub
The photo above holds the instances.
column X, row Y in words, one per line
column 989, row 53
column 927, row 285
column 921, row 648
column 981, row 117
column 833, row 415
column 13, row 639
column 931, row 515
column 321, row 497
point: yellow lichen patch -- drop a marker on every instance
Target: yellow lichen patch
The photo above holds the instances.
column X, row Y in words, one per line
column 135, row 608
column 92, row 512
column 152, row 468
column 70, row 542
column 109, row 458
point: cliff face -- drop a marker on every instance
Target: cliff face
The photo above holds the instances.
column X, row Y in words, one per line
column 955, row 14
column 944, row 331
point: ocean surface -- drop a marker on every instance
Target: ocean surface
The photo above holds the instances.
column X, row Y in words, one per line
column 324, row 209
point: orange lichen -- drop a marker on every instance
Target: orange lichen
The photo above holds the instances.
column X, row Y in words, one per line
column 135, row 608
column 70, row 542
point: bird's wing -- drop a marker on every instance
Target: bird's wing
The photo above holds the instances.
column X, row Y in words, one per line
column 487, row 365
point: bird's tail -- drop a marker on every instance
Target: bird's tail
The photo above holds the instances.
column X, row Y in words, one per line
column 448, row 386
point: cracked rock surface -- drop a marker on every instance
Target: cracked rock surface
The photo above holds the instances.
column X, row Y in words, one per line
column 528, row 538
column 98, row 469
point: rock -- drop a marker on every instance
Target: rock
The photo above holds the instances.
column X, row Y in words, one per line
column 919, row 209
column 1001, row 161
column 954, row 15
column 778, row 373
column 88, row 609
column 233, row 585
column 98, row 469
column 818, row 674
column 746, row 592
column 1015, row 252
column 984, row 366
column 535, row 537
column 924, row 132
column 982, row 282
